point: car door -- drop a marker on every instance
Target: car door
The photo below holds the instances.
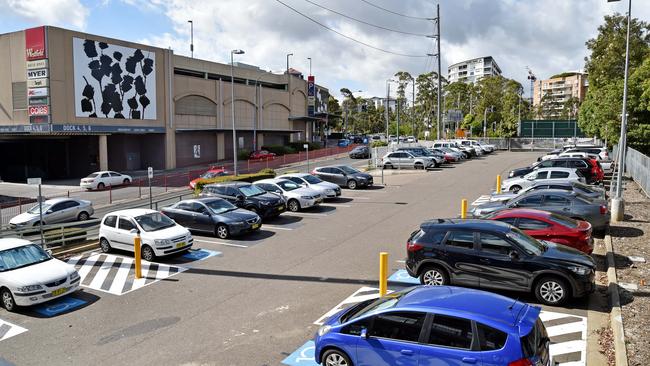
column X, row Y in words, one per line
column 461, row 257
column 449, row 340
column 123, row 238
column 70, row 211
column 501, row 265
column 116, row 178
column 326, row 175
column 201, row 218
column 530, row 201
column 392, row 339
column 339, row 177
column 535, row 228
column 557, row 204
column 55, row 214
column 181, row 213
column 106, row 179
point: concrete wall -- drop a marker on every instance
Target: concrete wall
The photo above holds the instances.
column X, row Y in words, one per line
column 12, row 69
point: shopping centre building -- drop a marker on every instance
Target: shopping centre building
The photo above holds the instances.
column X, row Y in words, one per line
column 72, row 103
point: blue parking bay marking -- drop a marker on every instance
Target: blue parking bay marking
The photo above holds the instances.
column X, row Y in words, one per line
column 195, row 255
column 303, row 356
column 401, row 276
column 8, row 330
column 59, row 306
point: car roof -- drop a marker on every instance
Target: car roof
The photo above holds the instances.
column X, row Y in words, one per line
column 234, row 183
column 272, row 180
column 204, row 199
column 482, row 306
column 9, row 243
column 132, row 212
column 468, row 224
column 560, row 169
column 550, row 191
column 52, row 201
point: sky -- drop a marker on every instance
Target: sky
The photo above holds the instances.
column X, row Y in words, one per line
column 548, row 36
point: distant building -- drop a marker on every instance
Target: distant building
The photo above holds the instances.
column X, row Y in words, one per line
column 473, row 70
column 381, row 102
column 554, row 92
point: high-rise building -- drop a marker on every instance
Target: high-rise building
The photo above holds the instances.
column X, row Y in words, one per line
column 553, row 93
column 473, row 70
column 381, row 102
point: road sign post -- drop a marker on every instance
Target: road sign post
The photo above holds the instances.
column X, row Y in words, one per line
column 150, row 175
column 306, row 146
column 35, row 181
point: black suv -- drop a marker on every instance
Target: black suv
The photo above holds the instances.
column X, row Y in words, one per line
column 247, row 196
column 488, row 254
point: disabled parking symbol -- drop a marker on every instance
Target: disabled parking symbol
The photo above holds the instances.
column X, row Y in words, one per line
column 200, row 254
column 59, row 306
column 303, row 356
column 402, row 276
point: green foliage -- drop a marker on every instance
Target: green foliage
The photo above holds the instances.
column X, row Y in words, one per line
column 378, row 143
column 262, row 174
column 279, row 150
column 243, row 154
column 563, row 75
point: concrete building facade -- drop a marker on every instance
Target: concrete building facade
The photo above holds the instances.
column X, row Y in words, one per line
column 553, row 93
column 72, row 103
column 473, row 70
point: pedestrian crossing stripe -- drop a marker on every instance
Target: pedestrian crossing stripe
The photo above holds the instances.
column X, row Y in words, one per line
column 481, row 200
column 8, row 330
column 568, row 332
column 116, row 274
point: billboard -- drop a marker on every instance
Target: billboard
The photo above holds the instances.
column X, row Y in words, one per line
column 112, row 81
column 311, row 95
column 35, row 44
column 322, row 96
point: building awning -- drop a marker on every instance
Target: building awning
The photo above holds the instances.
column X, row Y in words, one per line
column 306, row 118
column 325, row 115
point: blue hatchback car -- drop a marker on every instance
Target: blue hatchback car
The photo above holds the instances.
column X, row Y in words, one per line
column 435, row 325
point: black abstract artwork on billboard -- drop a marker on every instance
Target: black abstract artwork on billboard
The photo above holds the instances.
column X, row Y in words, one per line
column 110, row 85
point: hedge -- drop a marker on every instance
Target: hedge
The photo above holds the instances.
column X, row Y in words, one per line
column 262, row 174
column 243, row 154
column 279, row 150
column 378, row 143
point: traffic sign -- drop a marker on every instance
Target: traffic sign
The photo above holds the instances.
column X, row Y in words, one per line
column 150, row 172
column 33, row 181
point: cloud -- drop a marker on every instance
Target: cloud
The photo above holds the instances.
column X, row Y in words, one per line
column 65, row 13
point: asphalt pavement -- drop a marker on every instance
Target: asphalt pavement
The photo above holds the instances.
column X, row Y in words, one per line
column 253, row 300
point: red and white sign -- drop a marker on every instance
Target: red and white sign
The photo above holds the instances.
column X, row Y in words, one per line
column 35, row 44
column 37, row 92
column 39, row 110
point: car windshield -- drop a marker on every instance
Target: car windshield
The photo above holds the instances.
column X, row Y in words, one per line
column 288, row 185
column 382, row 303
column 154, row 221
column 23, row 256
column 564, row 221
column 211, row 174
column 251, row 190
column 348, row 170
column 529, row 244
column 34, row 210
column 93, row 175
column 220, row 206
column 583, row 187
column 312, row 180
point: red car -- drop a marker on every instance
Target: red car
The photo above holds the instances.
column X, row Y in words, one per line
column 548, row 226
column 597, row 170
column 261, row 155
column 213, row 172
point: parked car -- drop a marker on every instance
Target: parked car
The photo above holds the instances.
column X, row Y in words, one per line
column 261, row 155
column 545, row 175
column 55, row 210
column 466, row 151
column 589, row 168
column 562, row 202
column 344, row 176
column 598, row 150
column 407, row 160
column 495, row 255
column 456, row 153
column 160, row 235
column 449, row 158
column 212, row 173
column 103, row 179
column 247, row 196
column 360, row 152
column 213, row 215
column 424, row 152
column 29, row 275
column 544, row 225
column 297, row 196
column 344, row 143
column 590, row 191
column 427, row 325
column 411, row 139
column 326, row 189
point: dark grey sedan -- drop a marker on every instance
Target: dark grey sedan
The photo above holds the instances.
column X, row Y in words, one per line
column 213, row 215
column 344, row 176
column 587, row 190
column 566, row 203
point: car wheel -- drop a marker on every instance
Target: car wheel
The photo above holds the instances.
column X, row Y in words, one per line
column 252, row 209
column 418, row 166
column 221, row 231
column 7, row 300
column 434, row 276
column 126, row 181
column 104, row 245
column 515, row 188
column 334, row 357
column 352, row 184
column 147, row 253
column 388, row 166
column 83, row 216
column 101, row 186
column 293, row 205
column 551, row 291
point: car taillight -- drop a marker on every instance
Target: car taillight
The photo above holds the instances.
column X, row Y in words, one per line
column 603, row 209
column 413, row 247
column 521, row 362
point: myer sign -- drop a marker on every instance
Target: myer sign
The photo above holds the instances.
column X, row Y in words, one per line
column 36, row 74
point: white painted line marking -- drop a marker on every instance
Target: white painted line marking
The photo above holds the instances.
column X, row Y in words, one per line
column 221, row 243
column 306, row 214
column 335, row 205
column 275, row 227
column 360, row 198
column 400, row 261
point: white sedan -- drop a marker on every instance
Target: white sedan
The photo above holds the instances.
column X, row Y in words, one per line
column 297, row 196
column 544, row 175
column 101, row 180
column 326, row 189
column 29, row 275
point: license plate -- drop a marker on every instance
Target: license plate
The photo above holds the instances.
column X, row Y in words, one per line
column 255, row 226
column 181, row 244
column 59, row 291
column 281, row 208
column 320, row 200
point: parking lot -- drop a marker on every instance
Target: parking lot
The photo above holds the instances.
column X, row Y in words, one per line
column 258, row 299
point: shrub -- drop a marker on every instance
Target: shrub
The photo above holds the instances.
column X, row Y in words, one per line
column 243, row 154
column 279, row 149
column 378, row 144
column 262, row 174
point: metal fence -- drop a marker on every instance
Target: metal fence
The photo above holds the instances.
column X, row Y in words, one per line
column 637, row 166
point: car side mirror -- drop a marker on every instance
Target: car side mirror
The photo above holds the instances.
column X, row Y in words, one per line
column 49, row 211
column 513, row 255
column 364, row 333
column 134, row 231
column 49, row 251
column 239, row 197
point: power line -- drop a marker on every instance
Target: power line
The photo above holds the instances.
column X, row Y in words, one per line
column 393, row 12
column 348, row 37
column 367, row 23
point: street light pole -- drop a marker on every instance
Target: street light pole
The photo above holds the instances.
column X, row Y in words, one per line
column 485, row 121
column 232, row 107
column 439, row 83
column 309, row 58
column 191, row 37
column 618, row 204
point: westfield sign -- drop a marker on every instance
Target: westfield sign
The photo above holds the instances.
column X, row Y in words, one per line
column 35, row 44
column 34, row 54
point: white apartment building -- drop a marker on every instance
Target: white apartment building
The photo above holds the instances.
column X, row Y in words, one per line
column 381, row 102
column 473, row 70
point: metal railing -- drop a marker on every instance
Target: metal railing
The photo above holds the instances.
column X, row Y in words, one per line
column 637, row 166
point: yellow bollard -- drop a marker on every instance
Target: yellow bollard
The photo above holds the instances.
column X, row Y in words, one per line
column 498, row 183
column 138, row 259
column 463, row 209
column 383, row 273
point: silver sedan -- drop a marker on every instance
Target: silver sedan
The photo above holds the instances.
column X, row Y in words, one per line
column 55, row 210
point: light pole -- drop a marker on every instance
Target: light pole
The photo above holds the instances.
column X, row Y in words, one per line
column 618, row 204
column 413, row 108
column 232, row 106
column 485, row 120
column 388, row 81
column 309, row 58
column 191, row 37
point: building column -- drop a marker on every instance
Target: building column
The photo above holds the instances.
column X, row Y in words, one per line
column 221, row 146
column 170, row 149
column 260, row 140
column 103, row 152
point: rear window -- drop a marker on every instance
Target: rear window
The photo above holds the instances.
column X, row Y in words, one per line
column 534, row 342
column 491, row 339
column 564, row 221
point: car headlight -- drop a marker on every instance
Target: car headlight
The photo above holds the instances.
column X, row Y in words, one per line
column 29, row 288
column 324, row 330
column 74, row 276
column 162, row 242
column 265, row 203
column 580, row 270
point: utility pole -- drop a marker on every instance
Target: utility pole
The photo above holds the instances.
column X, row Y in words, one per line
column 191, row 37
column 532, row 79
column 387, row 107
column 439, row 83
